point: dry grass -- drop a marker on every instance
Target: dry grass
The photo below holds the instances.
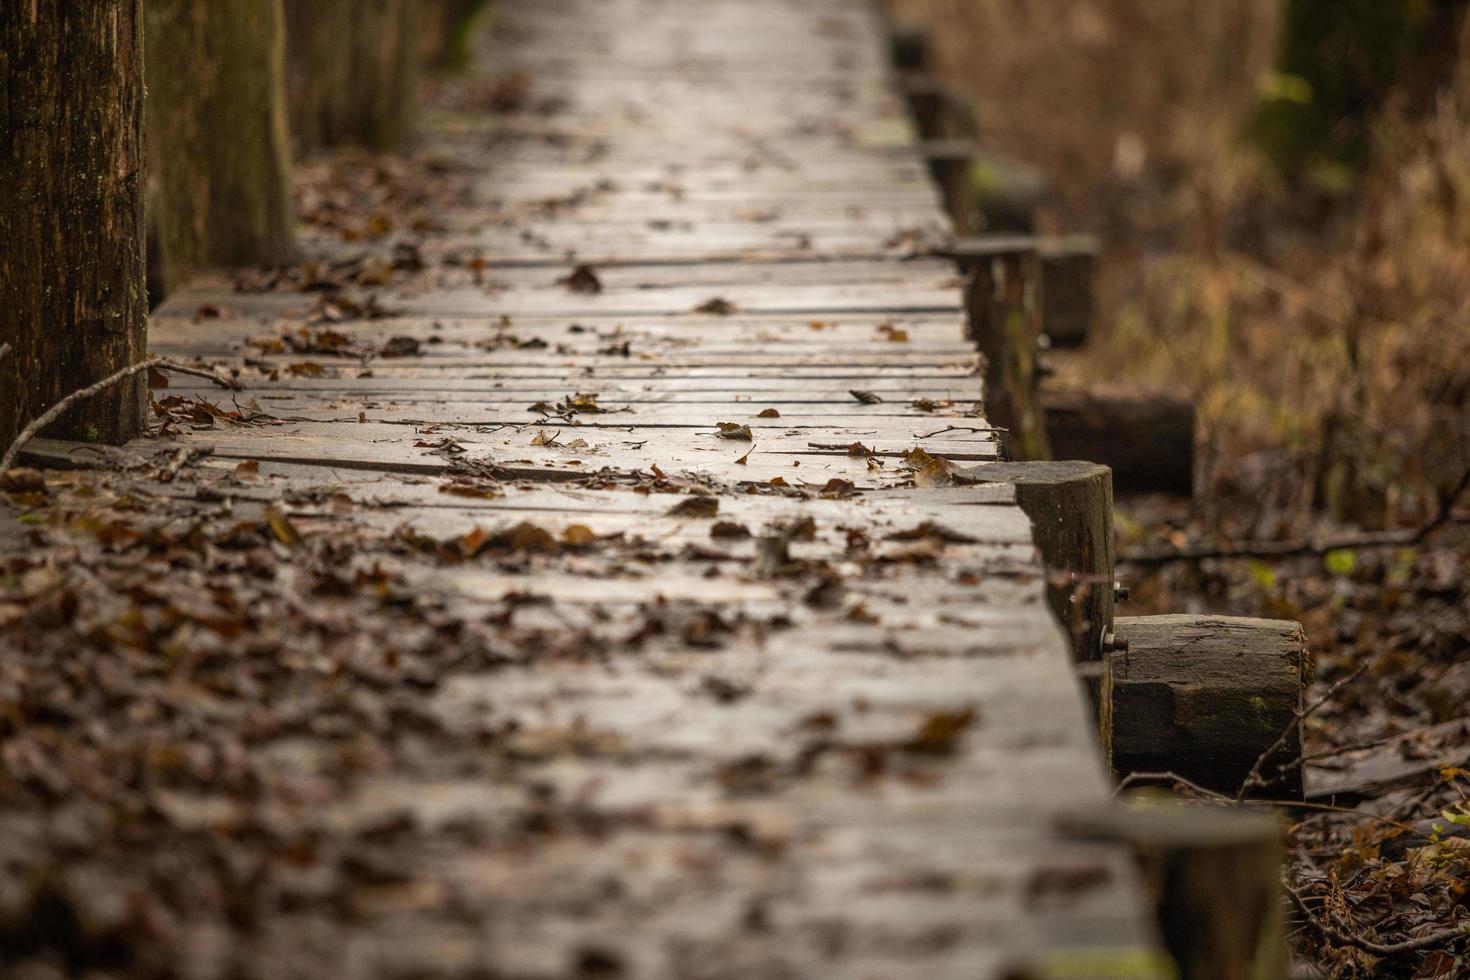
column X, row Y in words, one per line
column 1325, row 337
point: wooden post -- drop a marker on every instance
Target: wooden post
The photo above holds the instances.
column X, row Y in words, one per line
column 909, row 48
column 352, row 71
column 72, row 301
column 1070, row 505
column 1208, row 696
column 445, row 33
column 939, row 111
column 951, row 163
column 1068, row 264
column 218, row 148
column 1003, row 309
column 1214, row 874
column 1147, row 437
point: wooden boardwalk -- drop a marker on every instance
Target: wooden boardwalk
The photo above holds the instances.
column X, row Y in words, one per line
column 841, row 743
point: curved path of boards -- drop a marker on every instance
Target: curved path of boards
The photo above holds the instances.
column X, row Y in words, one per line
column 864, row 786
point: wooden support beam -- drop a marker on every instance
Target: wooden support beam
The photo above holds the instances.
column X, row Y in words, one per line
column 1215, row 877
column 1147, row 437
column 1068, row 264
column 1003, row 314
column 940, row 112
column 1206, row 697
column 1070, row 505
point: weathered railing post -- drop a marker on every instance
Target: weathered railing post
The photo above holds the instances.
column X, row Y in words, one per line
column 1003, row 310
column 1070, row 505
column 1068, row 264
column 951, row 163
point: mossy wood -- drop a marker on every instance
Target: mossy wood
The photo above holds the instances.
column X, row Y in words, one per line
column 218, row 146
column 72, row 303
column 1206, row 696
column 445, row 33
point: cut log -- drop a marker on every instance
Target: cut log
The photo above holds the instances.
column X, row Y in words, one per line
column 1215, row 877
column 1206, row 697
column 1003, row 313
column 1068, row 263
column 1147, row 437
column 1070, row 505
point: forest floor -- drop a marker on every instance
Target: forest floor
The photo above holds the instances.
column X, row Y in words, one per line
column 1321, row 329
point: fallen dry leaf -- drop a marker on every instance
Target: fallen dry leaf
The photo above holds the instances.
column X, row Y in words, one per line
column 696, row 507
column 582, row 279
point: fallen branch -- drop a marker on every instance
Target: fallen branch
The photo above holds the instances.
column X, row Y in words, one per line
column 56, row 411
column 1134, row 778
column 1440, row 937
column 177, row 368
column 1293, row 549
column 1253, row 778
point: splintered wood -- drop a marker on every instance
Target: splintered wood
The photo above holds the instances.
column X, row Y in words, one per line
column 645, row 354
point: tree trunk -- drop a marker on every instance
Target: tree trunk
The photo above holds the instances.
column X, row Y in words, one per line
column 352, row 71
column 1003, row 313
column 72, row 301
column 218, row 147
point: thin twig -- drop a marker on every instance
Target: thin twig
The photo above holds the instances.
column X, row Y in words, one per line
column 1440, row 937
column 167, row 365
column 1253, row 778
column 1168, row 777
column 55, row 411
column 1293, row 549
column 1223, row 800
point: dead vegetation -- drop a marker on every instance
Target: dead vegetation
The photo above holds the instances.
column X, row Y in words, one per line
column 1321, row 326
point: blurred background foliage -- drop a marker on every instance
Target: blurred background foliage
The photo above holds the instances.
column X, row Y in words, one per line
column 1283, row 191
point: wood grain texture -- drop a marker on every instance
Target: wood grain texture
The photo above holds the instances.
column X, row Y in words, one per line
column 804, row 693
column 71, row 215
